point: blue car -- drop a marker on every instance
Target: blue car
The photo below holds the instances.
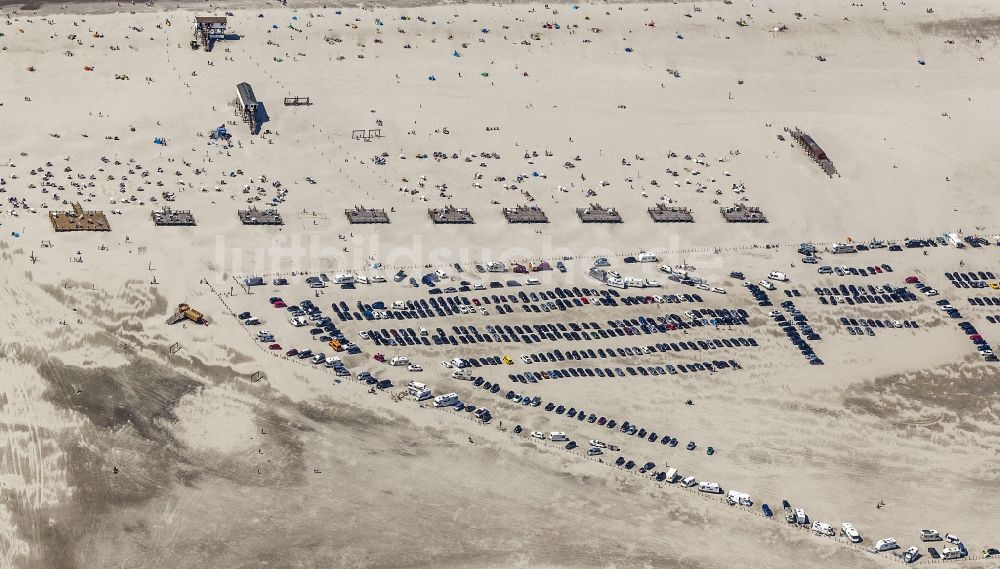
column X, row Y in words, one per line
column 767, row 510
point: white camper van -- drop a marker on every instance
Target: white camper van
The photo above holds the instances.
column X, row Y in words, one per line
column 446, row 400
column 886, row 544
column 688, row 482
column 820, row 528
column 951, row 553
column 852, row 534
column 399, row 361
column 740, row 498
column 710, row 488
column 775, row 275
column 344, row 278
column 800, row 517
column 840, row 248
column 557, row 436
column 672, row 476
column 648, row 258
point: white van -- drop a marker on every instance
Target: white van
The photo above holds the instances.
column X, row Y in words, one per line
column 557, row 436
column 415, row 386
column 710, row 488
column 666, row 269
column 399, row 361
column 344, row 278
column 840, row 248
column 766, row 284
column 648, row 258
column 886, row 544
column 399, row 305
column 688, row 482
column 532, row 281
column 800, row 517
column 852, row 534
column 461, row 374
column 361, row 279
column 672, row 476
column 421, row 394
column 775, row 275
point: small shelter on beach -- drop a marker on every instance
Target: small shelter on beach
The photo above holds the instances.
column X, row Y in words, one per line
column 525, row 214
column 254, row 216
column 246, row 105
column 598, row 214
column 366, row 215
column 743, row 214
column 663, row 213
column 208, row 29
column 450, row 214
column 168, row 217
column 79, row 220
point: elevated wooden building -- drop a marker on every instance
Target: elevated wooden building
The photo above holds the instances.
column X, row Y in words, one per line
column 663, row 213
column 814, row 151
column 450, row 214
column 598, row 214
column 168, row 217
column 743, row 214
column 366, row 215
column 254, row 216
column 79, row 220
column 525, row 214
column 208, row 29
column 246, row 105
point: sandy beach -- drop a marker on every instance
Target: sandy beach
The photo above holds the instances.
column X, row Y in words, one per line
column 131, row 442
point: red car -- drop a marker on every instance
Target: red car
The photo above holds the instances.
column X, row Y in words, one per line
column 291, row 352
column 475, row 301
column 584, row 300
column 379, row 358
column 280, row 304
column 274, row 347
column 912, row 280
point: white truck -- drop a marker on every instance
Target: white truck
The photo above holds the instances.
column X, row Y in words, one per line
column 557, row 436
column 672, row 476
column 841, row 248
column 399, row 361
column 777, row 276
column 344, row 278
column 800, row 517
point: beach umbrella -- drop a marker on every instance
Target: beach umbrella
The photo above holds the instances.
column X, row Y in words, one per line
column 431, row 78
column 455, row 53
column 486, row 30
column 274, row 26
column 485, row 74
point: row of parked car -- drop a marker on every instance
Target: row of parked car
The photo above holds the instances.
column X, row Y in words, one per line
column 691, row 367
column 862, row 294
column 800, row 321
column 306, row 313
column 869, row 271
column 984, row 301
column 973, row 279
column 982, row 346
column 861, row 326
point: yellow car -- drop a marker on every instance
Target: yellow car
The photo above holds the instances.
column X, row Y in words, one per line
column 508, row 361
column 995, row 286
